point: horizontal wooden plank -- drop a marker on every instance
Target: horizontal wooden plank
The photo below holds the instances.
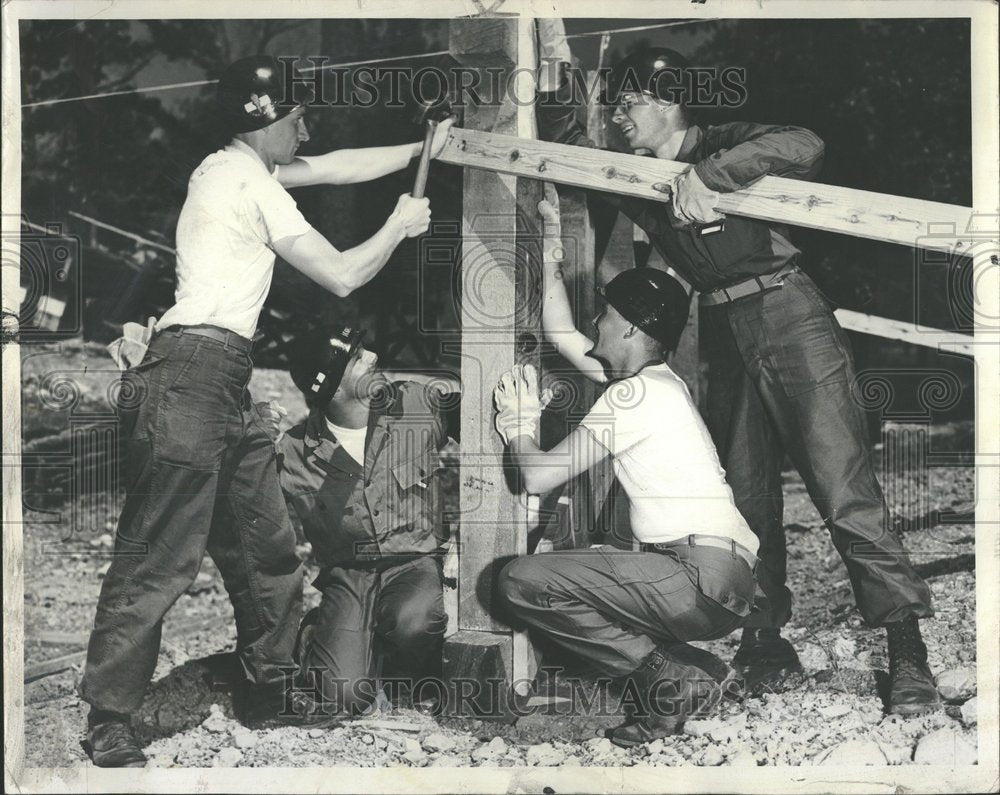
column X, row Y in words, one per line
column 907, row 332
column 876, row 216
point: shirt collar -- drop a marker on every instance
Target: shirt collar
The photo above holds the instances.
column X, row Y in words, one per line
column 236, row 145
column 692, row 139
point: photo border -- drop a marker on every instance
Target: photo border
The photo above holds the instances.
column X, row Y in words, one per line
column 986, row 177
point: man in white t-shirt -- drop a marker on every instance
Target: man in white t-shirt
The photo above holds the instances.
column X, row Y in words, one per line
column 200, row 471
column 631, row 613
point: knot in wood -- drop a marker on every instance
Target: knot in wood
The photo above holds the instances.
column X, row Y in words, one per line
column 610, row 172
column 514, row 155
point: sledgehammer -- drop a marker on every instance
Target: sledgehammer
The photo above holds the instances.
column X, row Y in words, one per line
column 431, row 114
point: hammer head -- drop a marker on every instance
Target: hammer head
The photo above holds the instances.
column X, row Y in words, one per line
column 433, row 110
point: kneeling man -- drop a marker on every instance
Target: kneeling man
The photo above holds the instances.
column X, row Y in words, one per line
column 360, row 473
column 631, row 613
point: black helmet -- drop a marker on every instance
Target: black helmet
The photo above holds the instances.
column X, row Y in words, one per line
column 652, row 300
column 656, row 70
column 320, row 360
column 259, row 90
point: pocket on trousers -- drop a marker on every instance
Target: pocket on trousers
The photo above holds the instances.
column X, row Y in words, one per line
column 197, row 410
column 660, row 576
column 137, row 389
column 729, row 584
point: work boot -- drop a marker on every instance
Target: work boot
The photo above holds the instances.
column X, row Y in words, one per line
column 733, row 684
column 669, row 693
column 911, row 685
column 765, row 657
column 111, row 740
column 266, row 708
column 304, row 638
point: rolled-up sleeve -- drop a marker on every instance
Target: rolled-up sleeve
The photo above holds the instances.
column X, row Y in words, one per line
column 745, row 152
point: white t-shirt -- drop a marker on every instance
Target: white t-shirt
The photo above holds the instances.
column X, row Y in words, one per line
column 665, row 460
column 233, row 213
column 351, row 439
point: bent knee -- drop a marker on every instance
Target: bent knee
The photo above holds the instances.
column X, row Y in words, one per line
column 522, row 581
column 417, row 627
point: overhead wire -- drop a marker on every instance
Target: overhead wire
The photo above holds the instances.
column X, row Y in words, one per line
column 324, row 67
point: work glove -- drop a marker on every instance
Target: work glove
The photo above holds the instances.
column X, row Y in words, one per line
column 270, row 413
column 518, row 404
column 441, row 136
column 693, row 201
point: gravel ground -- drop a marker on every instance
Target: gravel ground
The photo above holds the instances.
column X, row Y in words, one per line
column 830, row 716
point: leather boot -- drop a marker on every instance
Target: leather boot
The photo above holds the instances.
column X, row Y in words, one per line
column 732, row 684
column 911, row 684
column 112, row 741
column 765, row 657
column 670, row 693
column 304, row 638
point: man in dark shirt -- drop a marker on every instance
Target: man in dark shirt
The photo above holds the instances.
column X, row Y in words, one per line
column 780, row 370
column 361, row 475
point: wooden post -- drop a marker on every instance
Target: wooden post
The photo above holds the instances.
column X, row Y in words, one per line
column 13, row 539
column 501, row 311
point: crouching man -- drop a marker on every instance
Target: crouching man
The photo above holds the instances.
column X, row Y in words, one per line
column 360, row 473
column 632, row 613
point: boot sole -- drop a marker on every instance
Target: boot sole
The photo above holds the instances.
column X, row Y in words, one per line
column 914, row 709
column 771, row 676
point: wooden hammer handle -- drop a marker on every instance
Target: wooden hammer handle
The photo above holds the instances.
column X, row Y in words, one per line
column 425, row 160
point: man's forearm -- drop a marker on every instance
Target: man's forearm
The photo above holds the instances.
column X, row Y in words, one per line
column 361, row 263
column 347, row 166
column 527, row 456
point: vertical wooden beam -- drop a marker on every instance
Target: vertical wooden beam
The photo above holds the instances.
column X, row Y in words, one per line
column 501, row 316
column 13, row 538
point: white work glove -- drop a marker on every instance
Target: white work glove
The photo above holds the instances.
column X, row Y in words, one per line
column 693, row 201
column 271, row 413
column 441, row 136
column 518, row 404
column 553, row 51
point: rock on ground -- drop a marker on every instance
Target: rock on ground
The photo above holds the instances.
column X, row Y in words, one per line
column 969, row 709
column 228, row 757
column 958, row 684
column 544, row 755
